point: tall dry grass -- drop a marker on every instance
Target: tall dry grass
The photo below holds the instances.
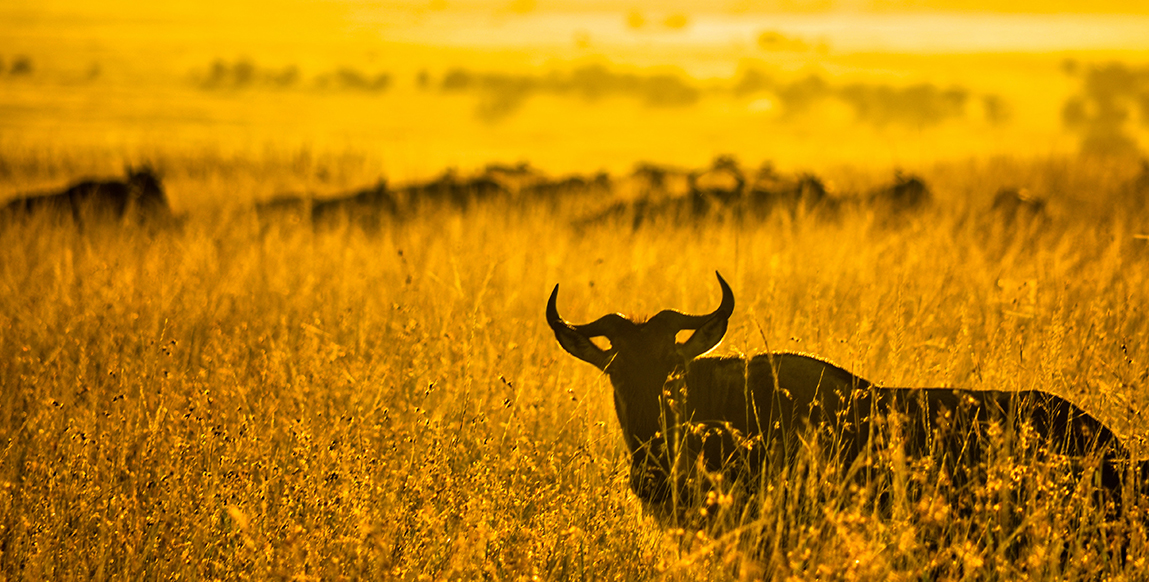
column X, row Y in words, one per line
column 232, row 401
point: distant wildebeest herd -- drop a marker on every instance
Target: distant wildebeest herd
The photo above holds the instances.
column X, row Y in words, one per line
column 727, row 190
column 650, row 194
column 370, row 208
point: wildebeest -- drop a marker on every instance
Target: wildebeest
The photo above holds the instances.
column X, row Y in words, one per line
column 680, row 412
column 141, row 197
column 1013, row 204
column 513, row 178
column 366, row 208
column 451, row 190
column 293, row 209
column 720, row 191
column 649, row 180
column 771, row 190
column 907, row 193
column 723, row 182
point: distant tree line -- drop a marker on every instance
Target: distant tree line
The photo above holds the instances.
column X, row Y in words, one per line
column 504, row 93
column 20, row 66
column 501, row 94
column 877, row 104
column 1110, row 95
column 243, row 74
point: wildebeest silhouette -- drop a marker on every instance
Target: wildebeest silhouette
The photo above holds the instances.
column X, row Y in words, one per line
column 140, row 197
column 513, row 178
column 1018, row 204
column 451, row 190
column 720, row 191
column 284, row 208
column 366, row 208
column 770, row 190
column 722, row 183
column 907, row 193
column 748, row 416
column 369, row 208
column 655, row 181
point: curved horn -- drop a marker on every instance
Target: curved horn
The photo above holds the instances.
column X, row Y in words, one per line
column 725, row 309
column 575, row 339
column 552, row 311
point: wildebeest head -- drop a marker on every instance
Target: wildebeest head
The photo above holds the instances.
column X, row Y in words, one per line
column 643, row 355
column 146, row 190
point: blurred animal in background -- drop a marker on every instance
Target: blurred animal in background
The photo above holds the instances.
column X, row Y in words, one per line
column 367, row 209
column 554, row 192
column 513, row 178
column 655, row 181
column 138, row 198
column 450, row 190
column 722, row 184
column 770, row 190
column 721, row 190
column 1018, row 204
column 907, row 193
column 284, row 209
column 370, row 207
column 1137, row 188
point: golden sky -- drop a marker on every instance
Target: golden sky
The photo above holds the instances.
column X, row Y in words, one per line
column 261, row 75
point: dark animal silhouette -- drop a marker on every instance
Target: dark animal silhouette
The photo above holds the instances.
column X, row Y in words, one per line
column 513, row 178
column 723, row 183
column 141, row 196
column 293, row 209
column 907, row 193
column 655, row 181
column 770, row 190
column 747, row 415
column 450, row 190
column 1014, row 204
column 720, row 191
column 366, row 208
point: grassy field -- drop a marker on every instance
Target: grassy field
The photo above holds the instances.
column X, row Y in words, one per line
column 239, row 398
column 230, row 401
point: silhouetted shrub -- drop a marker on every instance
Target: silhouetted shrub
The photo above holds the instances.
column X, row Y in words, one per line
column 800, row 95
column 922, row 104
column 287, row 77
column 21, row 65
column 772, row 40
column 502, row 94
column 752, row 81
column 456, row 80
column 669, row 90
column 243, row 74
column 997, row 109
column 348, row 78
column 1100, row 111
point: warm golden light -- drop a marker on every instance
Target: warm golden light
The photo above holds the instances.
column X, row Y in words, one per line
column 274, row 283
column 896, row 83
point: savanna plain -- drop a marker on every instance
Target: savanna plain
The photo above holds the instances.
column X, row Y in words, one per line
column 229, row 400
column 234, row 396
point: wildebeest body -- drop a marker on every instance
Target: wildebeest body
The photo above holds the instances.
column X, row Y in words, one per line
column 366, row 208
column 777, row 402
column 141, row 194
column 751, row 416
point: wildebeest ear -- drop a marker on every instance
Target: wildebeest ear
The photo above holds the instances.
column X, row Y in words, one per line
column 575, row 341
column 705, row 338
column 581, row 347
